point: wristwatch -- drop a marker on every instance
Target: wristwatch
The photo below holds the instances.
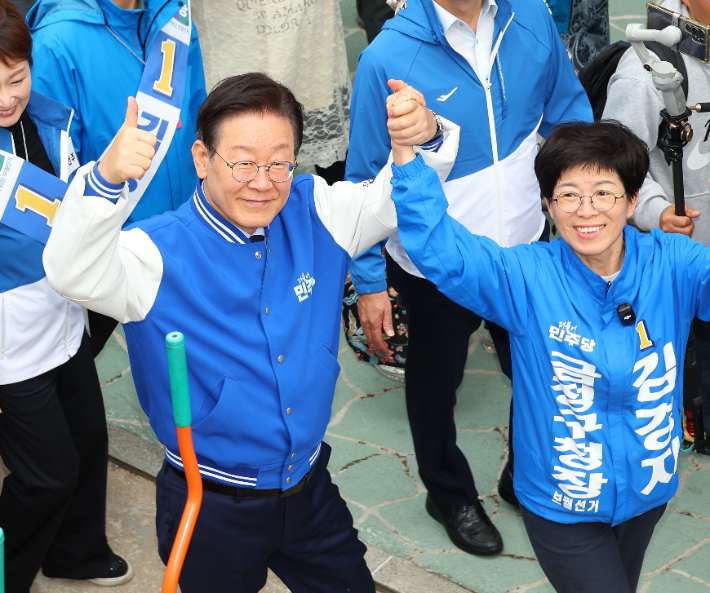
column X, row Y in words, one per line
column 439, row 127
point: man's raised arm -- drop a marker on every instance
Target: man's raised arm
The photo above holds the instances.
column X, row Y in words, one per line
column 88, row 259
column 359, row 215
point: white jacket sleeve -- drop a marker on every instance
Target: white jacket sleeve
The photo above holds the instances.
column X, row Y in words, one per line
column 89, row 260
column 359, row 215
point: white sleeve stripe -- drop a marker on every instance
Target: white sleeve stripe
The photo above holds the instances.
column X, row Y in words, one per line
column 101, row 186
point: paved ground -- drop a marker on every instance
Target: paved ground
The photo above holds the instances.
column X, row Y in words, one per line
column 374, row 465
column 130, row 527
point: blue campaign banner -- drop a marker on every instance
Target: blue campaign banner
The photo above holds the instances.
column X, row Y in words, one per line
column 165, row 76
column 32, row 201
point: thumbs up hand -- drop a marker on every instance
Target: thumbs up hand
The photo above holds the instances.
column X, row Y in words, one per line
column 132, row 150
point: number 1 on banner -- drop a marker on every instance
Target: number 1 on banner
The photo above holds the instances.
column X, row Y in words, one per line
column 163, row 84
column 26, row 199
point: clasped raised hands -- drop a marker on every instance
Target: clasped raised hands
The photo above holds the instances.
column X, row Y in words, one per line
column 409, row 121
column 132, row 150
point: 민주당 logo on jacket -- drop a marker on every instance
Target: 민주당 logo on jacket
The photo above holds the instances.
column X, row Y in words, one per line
column 304, row 286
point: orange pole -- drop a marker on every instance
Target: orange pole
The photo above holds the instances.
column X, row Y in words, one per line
column 189, row 515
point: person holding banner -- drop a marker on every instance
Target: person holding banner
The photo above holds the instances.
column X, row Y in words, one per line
column 53, row 436
column 251, row 271
column 91, row 56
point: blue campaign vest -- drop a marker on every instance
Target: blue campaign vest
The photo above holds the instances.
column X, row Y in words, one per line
column 21, row 254
column 254, row 413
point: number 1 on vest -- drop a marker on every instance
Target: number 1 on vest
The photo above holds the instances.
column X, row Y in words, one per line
column 642, row 331
column 163, row 84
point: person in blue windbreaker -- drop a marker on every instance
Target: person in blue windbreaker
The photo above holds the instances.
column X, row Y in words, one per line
column 498, row 69
column 598, row 321
column 90, row 55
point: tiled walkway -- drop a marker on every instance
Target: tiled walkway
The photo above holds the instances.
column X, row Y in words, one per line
column 374, row 466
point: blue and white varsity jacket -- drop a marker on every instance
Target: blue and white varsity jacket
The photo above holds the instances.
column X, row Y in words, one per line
column 261, row 320
column 80, row 63
column 597, row 404
column 492, row 189
column 39, row 330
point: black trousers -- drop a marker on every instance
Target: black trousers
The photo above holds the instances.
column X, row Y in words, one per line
column 374, row 14
column 439, row 334
column 54, row 441
column 307, row 539
column 592, row 557
column 702, row 353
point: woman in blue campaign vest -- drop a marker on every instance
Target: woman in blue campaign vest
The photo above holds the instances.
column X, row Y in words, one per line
column 53, row 435
column 598, row 322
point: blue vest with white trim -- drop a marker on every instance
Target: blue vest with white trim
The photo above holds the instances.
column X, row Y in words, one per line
column 261, row 324
column 22, row 255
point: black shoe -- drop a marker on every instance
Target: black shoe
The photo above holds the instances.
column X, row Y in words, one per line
column 505, row 488
column 468, row 527
column 117, row 572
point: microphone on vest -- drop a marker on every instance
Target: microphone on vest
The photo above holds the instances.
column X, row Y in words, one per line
column 626, row 314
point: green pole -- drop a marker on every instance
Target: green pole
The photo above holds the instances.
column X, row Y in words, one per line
column 177, row 365
column 2, row 561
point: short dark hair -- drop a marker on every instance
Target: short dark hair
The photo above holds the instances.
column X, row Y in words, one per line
column 253, row 92
column 15, row 37
column 606, row 145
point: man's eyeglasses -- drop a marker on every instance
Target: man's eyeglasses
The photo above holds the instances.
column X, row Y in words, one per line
column 601, row 200
column 245, row 171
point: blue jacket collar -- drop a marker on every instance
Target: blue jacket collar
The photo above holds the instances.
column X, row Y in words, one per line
column 420, row 21
column 215, row 222
column 92, row 12
column 51, row 118
column 597, row 286
column 50, row 112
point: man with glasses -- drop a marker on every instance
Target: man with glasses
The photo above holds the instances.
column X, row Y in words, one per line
column 251, row 271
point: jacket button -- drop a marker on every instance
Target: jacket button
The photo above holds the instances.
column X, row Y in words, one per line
column 293, row 456
column 290, row 468
column 258, row 255
column 280, row 358
column 288, row 480
column 268, row 310
column 288, row 411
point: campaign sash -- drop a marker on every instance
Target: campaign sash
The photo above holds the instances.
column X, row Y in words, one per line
column 160, row 93
column 29, row 197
